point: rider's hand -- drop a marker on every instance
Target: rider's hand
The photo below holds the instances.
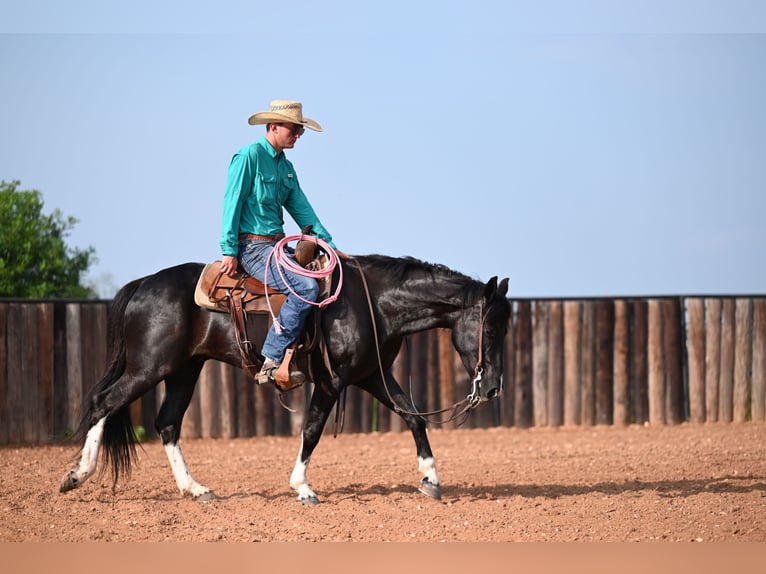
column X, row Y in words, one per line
column 229, row 265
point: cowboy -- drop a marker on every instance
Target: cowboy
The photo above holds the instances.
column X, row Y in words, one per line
column 261, row 183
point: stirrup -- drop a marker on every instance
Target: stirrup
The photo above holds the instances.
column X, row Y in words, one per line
column 286, row 379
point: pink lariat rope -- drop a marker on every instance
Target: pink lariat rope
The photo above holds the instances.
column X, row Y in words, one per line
column 285, row 261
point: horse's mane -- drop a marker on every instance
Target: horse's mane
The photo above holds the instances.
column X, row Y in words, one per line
column 401, row 269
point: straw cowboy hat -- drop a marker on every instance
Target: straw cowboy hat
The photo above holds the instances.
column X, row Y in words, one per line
column 284, row 111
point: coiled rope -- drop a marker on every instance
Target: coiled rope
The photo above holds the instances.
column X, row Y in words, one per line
column 284, row 260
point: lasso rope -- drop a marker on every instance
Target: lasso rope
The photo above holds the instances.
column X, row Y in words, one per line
column 285, row 261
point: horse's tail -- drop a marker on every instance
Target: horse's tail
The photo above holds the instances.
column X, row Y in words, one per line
column 119, row 439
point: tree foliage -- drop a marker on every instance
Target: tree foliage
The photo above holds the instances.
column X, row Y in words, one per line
column 35, row 261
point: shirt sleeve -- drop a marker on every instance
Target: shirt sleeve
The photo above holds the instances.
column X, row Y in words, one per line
column 239, row 181
column 298, row 206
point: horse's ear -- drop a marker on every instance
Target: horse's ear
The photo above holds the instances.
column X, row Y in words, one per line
column 502, row 289
column 490, row 288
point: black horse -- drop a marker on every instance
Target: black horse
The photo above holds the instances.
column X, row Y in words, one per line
column 157, row 332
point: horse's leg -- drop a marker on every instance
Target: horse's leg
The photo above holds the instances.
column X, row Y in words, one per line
column 108, row 414
column 88, row 458
column 319, row 409
column 179, row 389
column 430, row 484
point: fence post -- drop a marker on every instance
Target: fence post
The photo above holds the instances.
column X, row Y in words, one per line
column 759, row 359
column 74, row 365
column 509, row 375
column 588, row 377
column 695, row 348
column 621, row 408
column 674, row 382
column 656, row 364
column 540, row 363
column 712, row 358
column 524, row 416
column 640, row 346
column 604, row 360
column 743, row 358
column 726, row 382
column 572, row 362
column 556, row 364
column 5, row 407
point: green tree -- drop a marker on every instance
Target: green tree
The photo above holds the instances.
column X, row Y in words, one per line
column 34, row 258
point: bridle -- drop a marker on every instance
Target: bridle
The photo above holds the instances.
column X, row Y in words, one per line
column 458, row 409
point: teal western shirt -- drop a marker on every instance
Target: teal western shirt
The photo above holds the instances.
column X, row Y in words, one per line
column 260, row 184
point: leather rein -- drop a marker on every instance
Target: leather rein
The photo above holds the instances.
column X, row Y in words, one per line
column 458, row 409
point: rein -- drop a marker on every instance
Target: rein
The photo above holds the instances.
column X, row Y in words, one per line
column 460, row 408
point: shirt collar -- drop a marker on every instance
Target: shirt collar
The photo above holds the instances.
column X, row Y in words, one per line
column 263, row 142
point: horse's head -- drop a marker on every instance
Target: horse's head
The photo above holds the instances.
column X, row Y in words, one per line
column 479, row 337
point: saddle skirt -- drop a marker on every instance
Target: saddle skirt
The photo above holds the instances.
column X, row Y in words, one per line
column 214, row 287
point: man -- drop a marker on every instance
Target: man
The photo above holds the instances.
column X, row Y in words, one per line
column 261, row 183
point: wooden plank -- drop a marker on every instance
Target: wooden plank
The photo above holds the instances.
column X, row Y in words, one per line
column 695, row 350
column 16, row 382
column 211, row 405
column 640, row 362
column 656, row 358
column 98, row 343
column 264, row 422
column 524, row 415
column 726, row 381
column 743, row 356
column 60, row 386
column 245, row 403
column 192, row 423
column 712, row 358
column 74, row 365
column 556, row 363
column 228, row 401
column 672, row 330
column 4, row 389
column 572, row 362
column 509, row 374
column 446, row 371
column 30, row 368
column 604, row 360
column 540, row 363
column 588, row 358
column 759, row 360
column 621, row 372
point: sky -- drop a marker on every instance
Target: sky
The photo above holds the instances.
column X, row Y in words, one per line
column 589, row 148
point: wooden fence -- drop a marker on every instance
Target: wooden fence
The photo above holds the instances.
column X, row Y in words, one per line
column 567, row 362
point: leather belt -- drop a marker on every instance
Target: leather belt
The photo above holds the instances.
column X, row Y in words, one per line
column 254, row 237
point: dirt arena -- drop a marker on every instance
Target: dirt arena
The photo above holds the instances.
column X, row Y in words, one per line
column 681, row 483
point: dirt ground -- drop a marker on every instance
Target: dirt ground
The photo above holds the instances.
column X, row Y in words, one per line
column 677, row 483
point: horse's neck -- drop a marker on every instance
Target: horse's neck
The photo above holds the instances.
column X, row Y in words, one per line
column 419, row 306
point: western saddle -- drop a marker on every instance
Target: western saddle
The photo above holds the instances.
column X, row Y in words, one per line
column 242, row 295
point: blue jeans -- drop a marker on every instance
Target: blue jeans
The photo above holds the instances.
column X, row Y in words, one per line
column 252, row 258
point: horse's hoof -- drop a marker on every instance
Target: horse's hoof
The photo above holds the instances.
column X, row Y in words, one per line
column 205, row 497
column 430, row 489
column 309, row 500
column 69, row 482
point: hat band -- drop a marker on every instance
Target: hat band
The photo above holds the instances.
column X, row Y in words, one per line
column 286, row 107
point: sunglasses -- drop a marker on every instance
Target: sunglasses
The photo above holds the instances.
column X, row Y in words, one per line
column 295, row 129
